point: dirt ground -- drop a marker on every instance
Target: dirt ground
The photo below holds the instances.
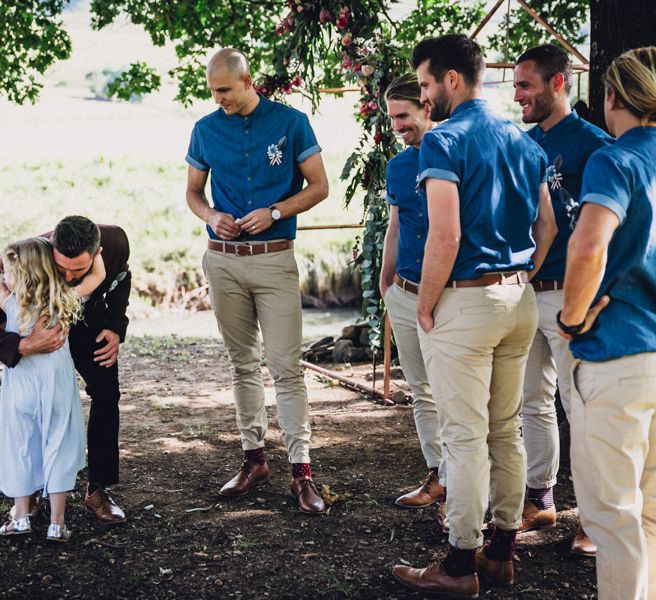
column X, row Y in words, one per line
column 182, row 540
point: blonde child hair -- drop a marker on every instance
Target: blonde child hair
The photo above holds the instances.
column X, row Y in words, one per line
column 38, row 287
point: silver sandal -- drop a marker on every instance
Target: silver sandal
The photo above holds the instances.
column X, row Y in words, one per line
column 16, row 526
column 58, row 533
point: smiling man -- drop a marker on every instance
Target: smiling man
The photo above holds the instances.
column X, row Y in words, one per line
column 257, row 154
column 401, row 270
column 543, row 80
column 94, row 342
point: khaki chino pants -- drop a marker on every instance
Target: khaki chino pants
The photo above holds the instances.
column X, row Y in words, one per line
column 475, row 359
column 614, row 469
column 402, row 309
column 247, row 291
column 549, row 366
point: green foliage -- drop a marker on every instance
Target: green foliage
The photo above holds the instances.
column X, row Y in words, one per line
column 31, row 39
column 138, row 80
column 522, row 32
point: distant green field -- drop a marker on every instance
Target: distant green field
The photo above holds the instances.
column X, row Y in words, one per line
column 167, row 240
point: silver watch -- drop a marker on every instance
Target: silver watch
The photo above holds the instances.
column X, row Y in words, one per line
column 275, row 213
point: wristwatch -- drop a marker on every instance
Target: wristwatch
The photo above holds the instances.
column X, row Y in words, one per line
column 275, row 213
column 569, row 329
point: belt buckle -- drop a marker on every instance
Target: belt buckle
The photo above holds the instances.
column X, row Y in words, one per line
column 239, row 247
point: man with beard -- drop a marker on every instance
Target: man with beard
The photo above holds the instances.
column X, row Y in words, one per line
column 400, row 272
column 543, row 80
column 490, row 225
column 94, row 343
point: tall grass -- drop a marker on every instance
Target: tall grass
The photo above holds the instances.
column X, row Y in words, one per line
column 167, row 240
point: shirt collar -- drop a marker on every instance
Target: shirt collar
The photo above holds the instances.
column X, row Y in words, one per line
column 474, row 103
column 261, row 109
column 558, row 127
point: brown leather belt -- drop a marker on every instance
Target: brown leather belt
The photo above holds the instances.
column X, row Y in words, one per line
column 406, row 285
column 243, row 249
column 547, row 286
column 513, row 278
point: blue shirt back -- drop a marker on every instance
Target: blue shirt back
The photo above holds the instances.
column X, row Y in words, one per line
column 622, row 177
column 498, row 170
column 568, row 146
column 253, row 161
column 413, row 218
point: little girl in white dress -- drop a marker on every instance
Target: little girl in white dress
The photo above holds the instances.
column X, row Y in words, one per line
column 41, row 423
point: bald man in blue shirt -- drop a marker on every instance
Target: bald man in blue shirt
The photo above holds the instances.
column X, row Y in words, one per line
column 258, row 154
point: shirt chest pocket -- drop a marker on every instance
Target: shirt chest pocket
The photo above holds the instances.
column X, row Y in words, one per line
column 274, row 162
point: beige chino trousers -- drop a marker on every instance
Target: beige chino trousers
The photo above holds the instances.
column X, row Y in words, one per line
column 402, row 309
column 614, row 469
column 247, row 291
column 549, row 366
column 475, row 359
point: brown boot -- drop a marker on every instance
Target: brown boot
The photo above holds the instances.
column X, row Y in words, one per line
column 433, row 579
column 428, row 493
column 582, row 545
column 496, row 572
column 249, row 475
column 533, row 518
column 307, row 496
column 103, row 507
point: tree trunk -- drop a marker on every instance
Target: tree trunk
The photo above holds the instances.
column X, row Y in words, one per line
column 616, row 26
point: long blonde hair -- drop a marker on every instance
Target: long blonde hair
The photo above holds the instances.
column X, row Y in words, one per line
column 633, row 77
column 39, row 289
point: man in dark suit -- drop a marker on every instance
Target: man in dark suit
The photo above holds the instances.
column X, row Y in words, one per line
column 94, row 343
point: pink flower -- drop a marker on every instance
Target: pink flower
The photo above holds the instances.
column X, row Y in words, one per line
column 373, row 105
column 281, row 28
column 346, row 61
column 378, row 138
column 297, row 81
column 357, row 67
column 287, row 88
column 364, row 110
column 343, row 18
column 346, row 40
column 325, row 16
column 299, row 8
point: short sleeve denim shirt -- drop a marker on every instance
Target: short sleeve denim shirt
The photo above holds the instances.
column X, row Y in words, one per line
column 413, row 217
column 498, row 170
column 253, row 160
column 622, row 178
column 568, row 146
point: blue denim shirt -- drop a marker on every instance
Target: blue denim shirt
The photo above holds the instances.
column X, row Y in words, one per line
column 568, row 145
column 413, row 217
column 622, row 177
column 498, row 170
column 253, row 161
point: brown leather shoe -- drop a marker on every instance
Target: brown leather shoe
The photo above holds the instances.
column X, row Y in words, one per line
column 306, row 495
column 37, row 504
column 533, row 518
column 442, row 519
column 434, row 580
column 582, row 545
column 496, row 572
column 428, row 493
column 248, row 476
column 101, row 504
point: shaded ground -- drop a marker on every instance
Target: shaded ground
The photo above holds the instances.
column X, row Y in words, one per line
column 179, row 445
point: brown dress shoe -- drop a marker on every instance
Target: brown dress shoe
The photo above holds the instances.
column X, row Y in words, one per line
column 434, row 580
column 248, row 476
column 442, row 519
column 36, row 506
column 306, row 495
column 496, row 572
column 101, row 504
column 533, row 518
column 582, row 545
column 428, row 493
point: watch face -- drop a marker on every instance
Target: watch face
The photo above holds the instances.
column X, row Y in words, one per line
column 275, row 214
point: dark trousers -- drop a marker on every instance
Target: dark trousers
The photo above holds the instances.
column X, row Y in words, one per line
column 102, row 386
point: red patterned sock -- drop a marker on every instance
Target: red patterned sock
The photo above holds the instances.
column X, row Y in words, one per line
column 301, row 470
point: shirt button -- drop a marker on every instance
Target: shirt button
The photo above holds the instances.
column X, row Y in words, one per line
column 419, row 236
column 246, row 131
column 417, row 261
column 249, row 178
column 249, row 202
column 247, row 155
column 421, row 214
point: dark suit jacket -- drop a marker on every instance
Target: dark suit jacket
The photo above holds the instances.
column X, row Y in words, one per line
column 106, row 307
